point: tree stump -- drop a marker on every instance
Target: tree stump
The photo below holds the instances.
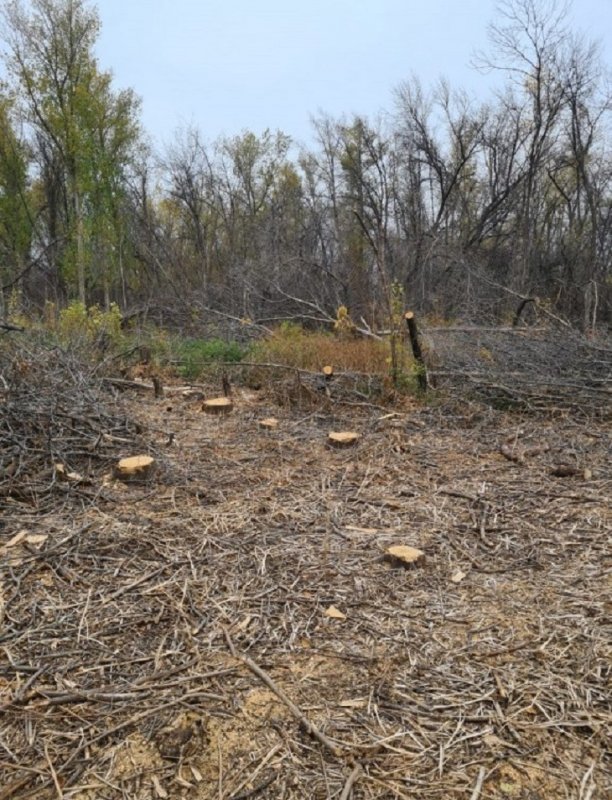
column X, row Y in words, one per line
column 416, row 350
column 268, row 424
column 218, row 405
column 134, row 467
column 343, row 438
column 402, row 555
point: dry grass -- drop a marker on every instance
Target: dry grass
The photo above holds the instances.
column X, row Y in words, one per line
column 292, row 346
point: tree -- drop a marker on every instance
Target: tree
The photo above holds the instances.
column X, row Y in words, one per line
column 82, row 131
column 16, row 220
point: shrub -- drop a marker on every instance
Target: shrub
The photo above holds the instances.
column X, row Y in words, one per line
column 81, row 326
column 197, row 355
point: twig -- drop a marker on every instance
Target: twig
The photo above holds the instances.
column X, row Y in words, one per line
column 56, row 782
column 351, row 780
column 479, row 784
column 309, row 727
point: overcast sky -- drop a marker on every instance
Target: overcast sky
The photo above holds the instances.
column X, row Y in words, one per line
column 230, row 65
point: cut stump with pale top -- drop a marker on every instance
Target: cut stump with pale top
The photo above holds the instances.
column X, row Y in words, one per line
column 343, row 438
column 404, row 556
column 268, row 424
column 218, row 405
column 134, row 467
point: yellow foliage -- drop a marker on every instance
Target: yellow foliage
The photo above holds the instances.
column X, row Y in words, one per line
column 344, row 325
column 77, row 323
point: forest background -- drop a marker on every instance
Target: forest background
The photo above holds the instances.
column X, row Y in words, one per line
column 456, row 208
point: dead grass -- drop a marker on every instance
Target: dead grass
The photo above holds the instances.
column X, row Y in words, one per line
column 292, row 346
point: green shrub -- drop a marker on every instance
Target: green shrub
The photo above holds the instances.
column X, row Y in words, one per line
column 197, row 355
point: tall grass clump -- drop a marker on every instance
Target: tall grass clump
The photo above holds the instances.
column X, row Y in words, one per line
column 290, row 345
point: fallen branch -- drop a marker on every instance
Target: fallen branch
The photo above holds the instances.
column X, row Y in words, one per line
column 309, row 727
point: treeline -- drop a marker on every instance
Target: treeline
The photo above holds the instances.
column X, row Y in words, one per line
column 449, row 206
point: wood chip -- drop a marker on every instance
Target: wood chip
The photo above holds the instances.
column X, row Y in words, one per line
column 458, row 576
column 159, row 789
column 62, row 474
column 335, row 613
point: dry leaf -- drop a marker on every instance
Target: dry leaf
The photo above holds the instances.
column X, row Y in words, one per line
column 334, row 613
column 37, row 539
column 23, row 537
column 17, row 538
column 159, row 789
column 458, row 576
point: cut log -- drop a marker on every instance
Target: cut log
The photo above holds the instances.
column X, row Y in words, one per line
column 268, row 424
column 328, row 371
column 343, row 438
column 134, row 467
column 218, row 405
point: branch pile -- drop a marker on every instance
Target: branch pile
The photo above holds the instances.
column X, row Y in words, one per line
column 534, row 370
column 59, row 428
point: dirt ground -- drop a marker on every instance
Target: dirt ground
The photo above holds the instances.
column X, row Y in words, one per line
column 232, row 627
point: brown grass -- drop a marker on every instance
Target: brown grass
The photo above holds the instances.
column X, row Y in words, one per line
column 294, row 347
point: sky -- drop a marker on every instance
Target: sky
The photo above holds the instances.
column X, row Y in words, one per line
column 225, row 66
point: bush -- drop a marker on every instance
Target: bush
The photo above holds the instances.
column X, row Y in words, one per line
column 81, row 326
column 196, row 355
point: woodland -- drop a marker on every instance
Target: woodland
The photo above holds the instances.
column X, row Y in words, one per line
column 305, row 452
column 453, row 201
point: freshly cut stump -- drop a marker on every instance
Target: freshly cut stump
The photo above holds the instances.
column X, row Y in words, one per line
column 328, row 371
column 218, row 405
column 343, row 438
column 402, row 555
column 268, row 424
column 134, row 467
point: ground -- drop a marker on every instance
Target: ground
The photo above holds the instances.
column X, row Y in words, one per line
column 172, row 638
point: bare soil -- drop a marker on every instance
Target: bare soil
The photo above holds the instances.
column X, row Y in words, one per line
column 173, row 638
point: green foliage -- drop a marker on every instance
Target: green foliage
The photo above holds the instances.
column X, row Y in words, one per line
column 197, row 355
column 81, row 326
column 87, row 134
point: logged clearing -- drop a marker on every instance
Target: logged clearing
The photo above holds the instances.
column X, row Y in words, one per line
column 425, row 614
